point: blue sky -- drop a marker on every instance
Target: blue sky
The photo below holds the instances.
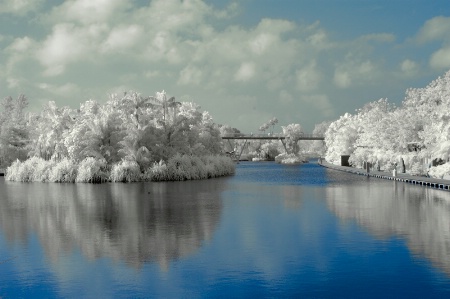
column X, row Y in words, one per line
column 244, row 61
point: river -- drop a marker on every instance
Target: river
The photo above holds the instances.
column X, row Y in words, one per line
column 269, row 231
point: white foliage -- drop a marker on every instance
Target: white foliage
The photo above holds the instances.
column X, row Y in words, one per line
column 92, row 170
column 125, row 171
column 118, row 141
column 440, row 171
column 64, row 171
column 383, row 134
column 289, row 159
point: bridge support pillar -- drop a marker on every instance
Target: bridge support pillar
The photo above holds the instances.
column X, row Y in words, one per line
column 242, row 149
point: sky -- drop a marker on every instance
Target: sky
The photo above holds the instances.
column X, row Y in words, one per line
column 243, row 61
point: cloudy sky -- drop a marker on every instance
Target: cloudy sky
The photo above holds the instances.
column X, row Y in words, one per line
column 244, row 61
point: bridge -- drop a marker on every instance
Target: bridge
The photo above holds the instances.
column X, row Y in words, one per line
column 270, row 136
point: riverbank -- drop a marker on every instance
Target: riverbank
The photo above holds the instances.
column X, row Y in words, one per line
column 401, row 177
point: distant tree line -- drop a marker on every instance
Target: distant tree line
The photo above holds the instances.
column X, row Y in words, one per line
column 414, row 137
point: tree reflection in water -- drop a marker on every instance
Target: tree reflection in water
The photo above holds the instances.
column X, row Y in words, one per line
column 387, row 208
column 135, row 223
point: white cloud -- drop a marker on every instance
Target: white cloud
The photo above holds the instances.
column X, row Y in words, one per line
column 440, row 59
column 87, row 11
column 365, row 68
column 65, row 45
column 190, row 75
column 342, row 78
column 379, row 37
column 13, row 82
column 19, row 7
column 437, row 28
column 122, row 38
column 350, row 72
column 61, row 90
column 261, row 43
column 246, row 72
column 319, row 39
column 174, row 16
column 21, row 44
column 17, row 52
column 308, row 78
column 285, row 97
column 409, row 67
column 321, row 102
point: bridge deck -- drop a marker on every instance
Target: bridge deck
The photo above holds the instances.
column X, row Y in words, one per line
column 271, row 137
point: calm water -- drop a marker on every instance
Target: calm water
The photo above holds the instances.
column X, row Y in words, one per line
column 269, row 231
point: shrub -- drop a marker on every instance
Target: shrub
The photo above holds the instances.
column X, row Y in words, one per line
column 289, row 159
column 157, row 172
column 179, row 168
column 64, row 171
column 218, row 166
column 198, row 169
column 186, row 167
column 33, row 169
column 440, row 171
column 126, row 171
column 92, row 170
column 42, row 170
column 12, row 172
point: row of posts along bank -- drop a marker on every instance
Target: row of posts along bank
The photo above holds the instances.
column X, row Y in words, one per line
column 400, row 177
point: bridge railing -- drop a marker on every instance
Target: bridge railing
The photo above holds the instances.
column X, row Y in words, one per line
column 280, row 135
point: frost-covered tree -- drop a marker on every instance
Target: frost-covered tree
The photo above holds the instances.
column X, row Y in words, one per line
column 340, row 138
column 292, row 133
column 49, row 130
column 373, row 131
column 318, row 147
column 430, row 105
column 14, row 133
column 96, row 133
column 381, row 133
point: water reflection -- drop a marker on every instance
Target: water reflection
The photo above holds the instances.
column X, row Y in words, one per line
column 419, row 215
column 134, row 223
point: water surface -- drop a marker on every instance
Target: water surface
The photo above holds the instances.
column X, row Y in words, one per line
column 269, row 231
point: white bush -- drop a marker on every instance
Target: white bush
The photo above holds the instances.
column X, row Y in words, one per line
column 440, row 171
column 33, row 169
column 289, row 159
column 179, row 168
column 157, row 172
column 42, row 170
column 64, row 171
column 199, row 171
column 92, row 170
column 126, row 171
column 186, row 167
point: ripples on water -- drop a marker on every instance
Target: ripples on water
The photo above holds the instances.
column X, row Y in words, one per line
column 270, row 231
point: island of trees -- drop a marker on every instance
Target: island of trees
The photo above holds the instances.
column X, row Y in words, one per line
column 128, row 138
